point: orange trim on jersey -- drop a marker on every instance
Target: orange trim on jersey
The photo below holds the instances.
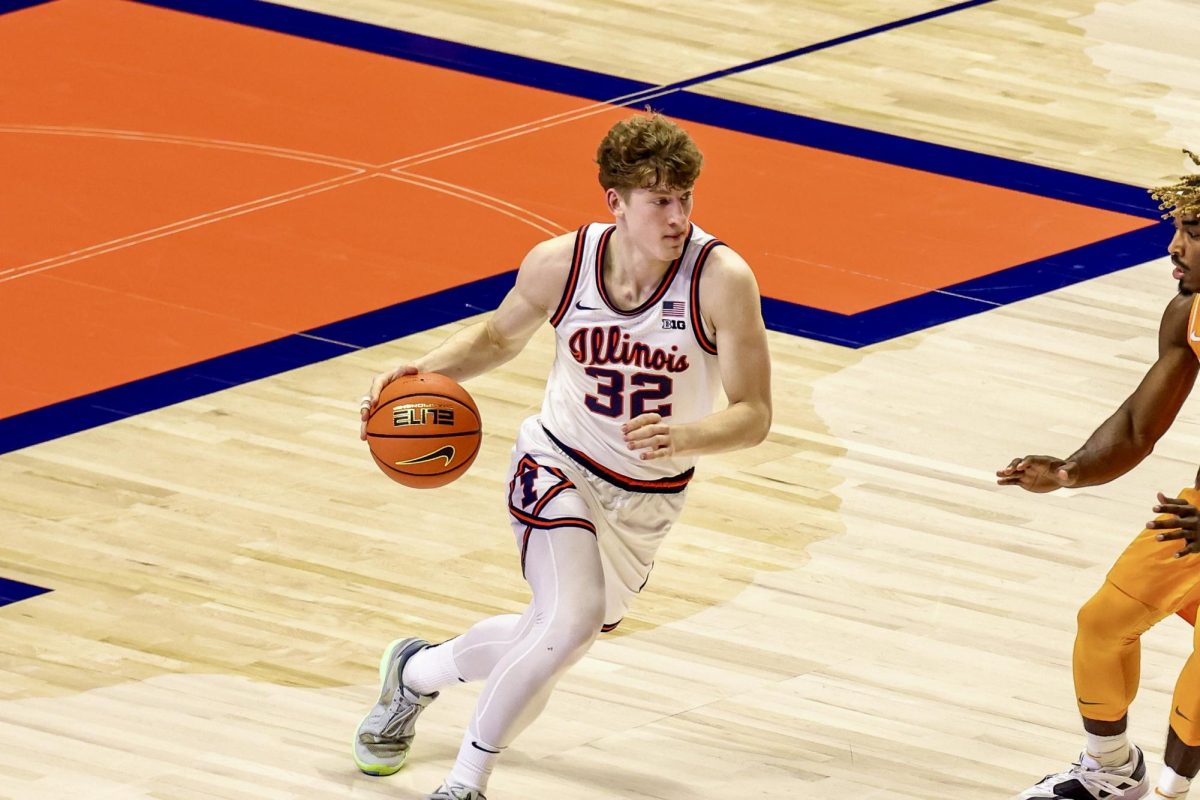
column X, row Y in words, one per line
column 702, row 338
column 662, row 286
column 547, row 524
column 672, row 485
column 1193, row 334
column 572, row 279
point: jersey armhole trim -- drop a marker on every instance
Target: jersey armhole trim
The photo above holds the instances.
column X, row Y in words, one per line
column 572, row 278
column 1191, row 331
column 702, row 338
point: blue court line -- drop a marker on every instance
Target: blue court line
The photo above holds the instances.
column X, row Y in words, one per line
column 825, row 45
column 728, row 114
column 973, row 296
column 16, row 5
column 14, row 591
column 253, row 363
column 403, row 319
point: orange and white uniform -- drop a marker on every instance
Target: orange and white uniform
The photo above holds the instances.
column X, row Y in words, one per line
column 571, row 466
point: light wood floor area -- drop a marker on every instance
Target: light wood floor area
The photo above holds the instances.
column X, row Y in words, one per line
column 852, row 609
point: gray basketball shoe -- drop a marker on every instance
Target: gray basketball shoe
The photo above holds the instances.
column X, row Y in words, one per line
column 455, row 791
column 382, row 741
column 1087, row 780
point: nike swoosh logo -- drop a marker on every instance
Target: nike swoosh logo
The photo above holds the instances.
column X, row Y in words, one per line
column 1180, row 713
column 582, row 307
column 1083, row 702
column 446, row 452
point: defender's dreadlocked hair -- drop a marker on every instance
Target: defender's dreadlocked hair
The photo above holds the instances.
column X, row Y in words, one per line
column 1182, row 197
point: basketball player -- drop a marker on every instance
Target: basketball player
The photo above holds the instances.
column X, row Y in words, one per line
column 652, row 316
column 1154, row 577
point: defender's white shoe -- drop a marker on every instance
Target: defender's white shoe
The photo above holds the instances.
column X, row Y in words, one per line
column 1087, row 780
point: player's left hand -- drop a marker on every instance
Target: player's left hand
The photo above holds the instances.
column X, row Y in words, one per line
column 1181, row 522
column 648, row 433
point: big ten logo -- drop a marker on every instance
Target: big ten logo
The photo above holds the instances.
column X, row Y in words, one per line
column 674, row 325
column 422, row 414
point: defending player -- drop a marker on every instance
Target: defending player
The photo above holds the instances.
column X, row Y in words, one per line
column 652, row 316
column 1154, row 577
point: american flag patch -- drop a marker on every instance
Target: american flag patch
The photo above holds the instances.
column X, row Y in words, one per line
column 672, row 308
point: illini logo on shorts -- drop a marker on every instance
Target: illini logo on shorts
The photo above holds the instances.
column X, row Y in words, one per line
column 673, row 312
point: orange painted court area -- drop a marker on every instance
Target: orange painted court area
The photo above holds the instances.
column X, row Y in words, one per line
column 177, row 188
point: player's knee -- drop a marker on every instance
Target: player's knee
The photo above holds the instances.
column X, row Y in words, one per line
column 1102, row 620
column 1089, row 622
column 1093, row 623
column 576, row 631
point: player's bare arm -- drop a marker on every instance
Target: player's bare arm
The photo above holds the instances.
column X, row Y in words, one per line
column 491, row 342
column 729, row 299
column 1129, row 435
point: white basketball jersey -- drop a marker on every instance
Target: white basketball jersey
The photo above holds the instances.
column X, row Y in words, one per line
column 611, row 365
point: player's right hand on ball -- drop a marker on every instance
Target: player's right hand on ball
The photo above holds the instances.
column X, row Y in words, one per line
column 1038, row 473
column 369, row 400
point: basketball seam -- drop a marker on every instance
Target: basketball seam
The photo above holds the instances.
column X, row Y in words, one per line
column 370, row 434
column 382, row 404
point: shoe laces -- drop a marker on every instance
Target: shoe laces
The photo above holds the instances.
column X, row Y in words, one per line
column 400, row 713
column 1095, row 780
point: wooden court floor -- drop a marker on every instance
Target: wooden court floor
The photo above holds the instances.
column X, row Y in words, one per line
column 850, row 609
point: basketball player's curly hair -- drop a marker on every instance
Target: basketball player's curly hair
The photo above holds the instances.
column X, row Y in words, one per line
column 647, row 152
column 1183, row 197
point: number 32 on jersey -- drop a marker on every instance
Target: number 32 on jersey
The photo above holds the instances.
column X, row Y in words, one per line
column 644, row 392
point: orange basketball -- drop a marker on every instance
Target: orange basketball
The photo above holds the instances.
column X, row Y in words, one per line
column 425, row 431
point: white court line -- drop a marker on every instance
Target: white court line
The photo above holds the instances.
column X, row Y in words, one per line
column 445, row 151
column 478, row 198
column 477, row 202
column 924, row 289
column 584, row 113
column 229, row 212
column 424, row 180
column 537, row 124
column 12, row 273
column 179, row 227
column 170, row 138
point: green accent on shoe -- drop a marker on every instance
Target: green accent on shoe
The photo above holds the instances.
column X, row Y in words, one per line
column 383, row 739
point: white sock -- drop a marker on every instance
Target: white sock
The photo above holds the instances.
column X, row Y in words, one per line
column 431, row 669
column 1171, row 784
column 1110, row 751
column 475, row 762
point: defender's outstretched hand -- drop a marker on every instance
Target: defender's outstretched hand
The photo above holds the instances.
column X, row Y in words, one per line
column 1180, row 522
column 1038, row 473
column 369, row 400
